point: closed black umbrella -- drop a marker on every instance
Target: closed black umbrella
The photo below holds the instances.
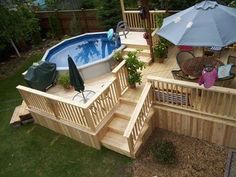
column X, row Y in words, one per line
column 75, row 78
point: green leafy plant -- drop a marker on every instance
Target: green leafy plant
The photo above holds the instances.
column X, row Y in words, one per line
column 75, row 26
column 160, row 50
column 118, row 56
column 55, row 26
column 165, row 152
column 64, row 80
column 159, row 19
column 109, row 13
column 134, row 67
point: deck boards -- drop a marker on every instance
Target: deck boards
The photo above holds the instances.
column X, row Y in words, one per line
column 156, row 69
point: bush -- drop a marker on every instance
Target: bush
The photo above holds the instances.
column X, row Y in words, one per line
column 118, row 56
column 134, row 67
column 160, row 50
column 55, row 26
column 64, row 80
column 165, row 152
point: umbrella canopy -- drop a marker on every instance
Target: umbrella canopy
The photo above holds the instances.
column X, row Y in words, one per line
column 205, row 24
column 75, row 78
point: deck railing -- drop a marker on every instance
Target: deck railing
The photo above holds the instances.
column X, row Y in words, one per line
column 89, row 115
column 134, row 20
column 216, row 101
column 121, row 73
column 139, row 116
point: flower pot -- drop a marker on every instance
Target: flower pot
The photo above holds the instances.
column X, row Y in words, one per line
column 132, row 86
column 160, row 60
column 146, row 36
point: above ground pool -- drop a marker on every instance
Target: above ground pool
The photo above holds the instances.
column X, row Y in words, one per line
column 91, row 52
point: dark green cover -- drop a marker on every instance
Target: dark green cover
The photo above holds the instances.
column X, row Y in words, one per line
column 41, row 75
column 75, row 78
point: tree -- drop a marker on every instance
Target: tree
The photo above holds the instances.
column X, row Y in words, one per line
column 17, row 24
column 110, row 13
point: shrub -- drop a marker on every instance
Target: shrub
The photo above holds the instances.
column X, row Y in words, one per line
column 160, row 50
column 165, row 152
column 134, row 67
column 118, row 56
column 74, row 26
column 64, row 80
column 55, row 26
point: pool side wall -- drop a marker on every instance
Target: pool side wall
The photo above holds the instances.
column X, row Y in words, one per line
column 89, row 70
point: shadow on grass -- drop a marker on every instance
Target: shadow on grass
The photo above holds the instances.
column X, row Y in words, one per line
column 32, row 150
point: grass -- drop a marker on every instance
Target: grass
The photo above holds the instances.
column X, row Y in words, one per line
column 32, row 150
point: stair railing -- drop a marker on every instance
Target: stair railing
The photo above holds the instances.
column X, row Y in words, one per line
column 138, row 118
column 121, row 73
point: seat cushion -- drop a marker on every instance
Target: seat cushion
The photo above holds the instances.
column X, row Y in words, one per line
column 224, row 71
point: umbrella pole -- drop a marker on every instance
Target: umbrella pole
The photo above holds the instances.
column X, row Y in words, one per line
column 83, row 97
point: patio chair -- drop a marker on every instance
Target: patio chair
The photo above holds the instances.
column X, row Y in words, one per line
column 231, row 60
column 183, row 56
column 186, row 48
column 123, row 27
column 179, row 75
column 226, row 81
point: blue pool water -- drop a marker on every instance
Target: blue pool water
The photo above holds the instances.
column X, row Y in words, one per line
column 83, row 49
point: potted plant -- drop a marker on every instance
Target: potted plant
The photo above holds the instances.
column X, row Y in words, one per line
column 134, row 67
column 160, row 51
column 147, row 37
column 64, row 80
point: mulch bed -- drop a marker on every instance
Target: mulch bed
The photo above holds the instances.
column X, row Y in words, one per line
column 11, row 64
column 195, row 158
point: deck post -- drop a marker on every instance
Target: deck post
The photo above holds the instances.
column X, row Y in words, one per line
column 144, row 3
column 123, row 9
column 89, row 119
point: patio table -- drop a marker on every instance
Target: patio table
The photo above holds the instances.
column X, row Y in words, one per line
column 194, row 66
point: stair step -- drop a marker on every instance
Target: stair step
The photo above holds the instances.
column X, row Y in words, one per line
column 128, row 100
column 143, row 52
column 15, row 119
column 129, row 94
column 116, row 142
column 118, row 125
column 125, row 109
column 130, row 45
column 146, row 59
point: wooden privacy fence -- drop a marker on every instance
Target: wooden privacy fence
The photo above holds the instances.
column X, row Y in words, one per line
column 134, row 20
column 138, row 118
column 88, row 116
column 87, row 20
column 216, row 102
column 121, row 73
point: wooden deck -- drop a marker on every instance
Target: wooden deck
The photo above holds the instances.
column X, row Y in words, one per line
column 121, row 118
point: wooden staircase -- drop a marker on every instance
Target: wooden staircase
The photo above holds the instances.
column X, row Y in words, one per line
column 114, row 138
column 144, row 54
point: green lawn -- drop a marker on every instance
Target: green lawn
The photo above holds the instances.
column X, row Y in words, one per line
column 32, row 151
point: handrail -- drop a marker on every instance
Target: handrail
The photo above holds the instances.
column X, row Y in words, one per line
column 151, row 11
column 53, row 97
column 96, row 96
column 89, row 115
column 139, row 116
column 135, row 22
column 117, row 68
column 192, row 85
column 216, row 102
column 121, row 73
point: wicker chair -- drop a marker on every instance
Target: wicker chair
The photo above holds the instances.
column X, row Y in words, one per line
column 231, row 60
column 123, row 27
column 179, row 75
column 226, row 81
column 183, row 56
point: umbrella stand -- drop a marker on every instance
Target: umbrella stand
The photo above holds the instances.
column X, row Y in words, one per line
column 83, row 97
